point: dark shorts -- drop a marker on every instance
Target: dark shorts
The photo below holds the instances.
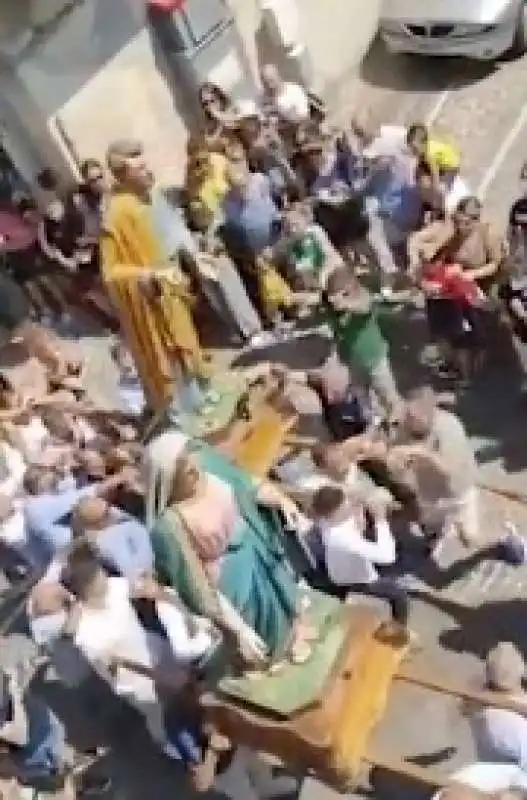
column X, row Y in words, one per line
column 449, row 321
column 15, row 307
column 24, row 265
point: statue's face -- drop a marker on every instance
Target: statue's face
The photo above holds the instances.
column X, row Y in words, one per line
column 138, row 171
column 186, row 477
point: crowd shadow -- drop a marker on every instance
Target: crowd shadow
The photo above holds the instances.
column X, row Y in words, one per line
column 491, row 408
column 477, row 630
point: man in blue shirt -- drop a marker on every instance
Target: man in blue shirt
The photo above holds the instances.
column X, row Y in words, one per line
column 50, row 515
column 251, row 215
column 121, row 540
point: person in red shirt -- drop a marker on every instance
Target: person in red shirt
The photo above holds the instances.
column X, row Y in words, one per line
column 452, row 301
column 448, row 280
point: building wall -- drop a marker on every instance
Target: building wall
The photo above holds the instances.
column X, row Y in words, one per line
column 337, row 34
column 96, row 77
column 91, row 74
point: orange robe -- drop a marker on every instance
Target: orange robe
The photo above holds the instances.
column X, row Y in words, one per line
column 160, row 333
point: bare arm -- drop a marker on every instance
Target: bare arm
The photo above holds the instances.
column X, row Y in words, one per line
column 495, row 251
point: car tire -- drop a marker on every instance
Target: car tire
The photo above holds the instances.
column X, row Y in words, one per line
column 519, row 44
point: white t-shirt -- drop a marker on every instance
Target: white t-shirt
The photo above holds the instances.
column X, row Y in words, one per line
column 12, row 470
column 500, row 735
column 13, row 531
column 292, row 102
column 32, row 437
column 114, row 631
column 184, row 648
column 350, row 558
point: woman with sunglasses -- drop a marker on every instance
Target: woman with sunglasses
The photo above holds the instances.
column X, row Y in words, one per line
column 220, row 116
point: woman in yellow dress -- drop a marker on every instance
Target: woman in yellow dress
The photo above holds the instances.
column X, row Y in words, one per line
column 146, row 286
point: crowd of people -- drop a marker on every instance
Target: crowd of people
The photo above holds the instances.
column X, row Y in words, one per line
column 149, row 560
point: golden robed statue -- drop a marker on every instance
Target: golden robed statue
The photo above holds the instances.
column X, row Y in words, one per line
column 148, row 290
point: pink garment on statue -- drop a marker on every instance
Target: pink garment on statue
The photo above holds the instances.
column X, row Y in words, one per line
column 211, row 521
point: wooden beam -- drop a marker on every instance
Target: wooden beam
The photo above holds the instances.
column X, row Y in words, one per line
column 427, row 678
column 414, row 772
column 507, row 494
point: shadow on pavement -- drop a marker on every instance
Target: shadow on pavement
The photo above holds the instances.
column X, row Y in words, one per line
column 419, row 73
column 477, row 630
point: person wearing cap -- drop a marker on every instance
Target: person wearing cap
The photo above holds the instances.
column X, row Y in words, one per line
column 432, row 455
column 149, row 293
column 500, row 735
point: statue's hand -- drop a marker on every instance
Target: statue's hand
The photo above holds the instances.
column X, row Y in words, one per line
column 150, row 286
column 251, row 647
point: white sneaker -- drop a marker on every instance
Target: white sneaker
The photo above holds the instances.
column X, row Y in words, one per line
column 171, row 752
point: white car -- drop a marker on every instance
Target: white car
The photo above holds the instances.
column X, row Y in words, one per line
column 478, row 29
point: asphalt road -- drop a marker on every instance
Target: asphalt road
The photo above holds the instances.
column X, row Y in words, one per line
column 483, row 108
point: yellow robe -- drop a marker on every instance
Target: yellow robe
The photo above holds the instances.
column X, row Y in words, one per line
column 160, row 333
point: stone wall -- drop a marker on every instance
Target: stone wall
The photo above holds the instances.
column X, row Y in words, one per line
column 82, row 72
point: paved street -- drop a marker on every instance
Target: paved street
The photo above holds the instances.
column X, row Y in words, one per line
column 483, row 109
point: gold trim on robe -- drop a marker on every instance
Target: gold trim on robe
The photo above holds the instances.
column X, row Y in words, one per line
column 160, row 332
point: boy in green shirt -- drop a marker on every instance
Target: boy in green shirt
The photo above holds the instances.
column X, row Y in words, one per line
column 307, row 249
column 350, row 312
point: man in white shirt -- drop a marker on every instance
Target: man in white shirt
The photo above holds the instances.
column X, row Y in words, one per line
column 288, row 100
column 78, row 603
column 354, row 560
column 501, row 735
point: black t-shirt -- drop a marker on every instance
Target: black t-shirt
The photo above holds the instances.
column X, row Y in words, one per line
column 61, row 235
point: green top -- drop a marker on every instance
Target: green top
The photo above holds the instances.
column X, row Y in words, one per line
column 307, row 254
column 357, row 336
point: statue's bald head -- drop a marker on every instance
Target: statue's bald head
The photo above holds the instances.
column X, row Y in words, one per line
column 126, row 161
